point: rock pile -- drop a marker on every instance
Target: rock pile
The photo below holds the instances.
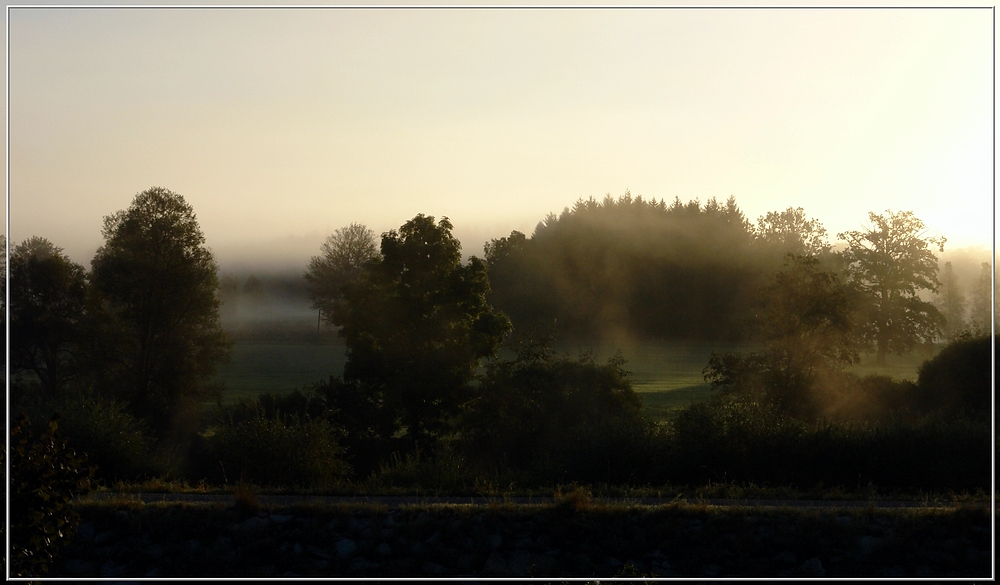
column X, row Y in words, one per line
column 454, row 541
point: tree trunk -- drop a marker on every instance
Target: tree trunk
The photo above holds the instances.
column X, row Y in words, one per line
column 880, row 356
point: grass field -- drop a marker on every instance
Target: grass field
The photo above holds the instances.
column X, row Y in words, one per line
column 257, row 368
column 668, row 376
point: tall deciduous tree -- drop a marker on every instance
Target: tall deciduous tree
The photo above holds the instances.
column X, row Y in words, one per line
column 157, row 284
column 343, row 256
column 47, row 310
column 890, row 263
column 417, row 323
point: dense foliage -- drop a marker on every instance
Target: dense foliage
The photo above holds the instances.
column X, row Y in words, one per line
column 416, row 323
column 642, row 268
column 536, row 411
column 958, row 381
column 255, row 442
column 424, row 399
column 890, row 263
column 47, row 326
column 160, row 334
column 46, row 474
column 628, row 265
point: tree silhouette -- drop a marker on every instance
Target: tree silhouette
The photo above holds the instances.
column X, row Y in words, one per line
column 417, row 323
column 951, row 304
column 631, row 266
column 805, row 320
column 890, row 263
column 980, row 317
column 792, row 233
column 157, row 284
column 47, row 313
column 344, row 255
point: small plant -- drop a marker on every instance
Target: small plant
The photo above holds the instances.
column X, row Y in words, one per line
column 245, row 501
column 576, row 500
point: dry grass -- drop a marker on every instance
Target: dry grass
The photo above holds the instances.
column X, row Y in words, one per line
column 577, row 499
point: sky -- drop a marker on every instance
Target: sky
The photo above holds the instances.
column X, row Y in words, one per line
column 281, row 125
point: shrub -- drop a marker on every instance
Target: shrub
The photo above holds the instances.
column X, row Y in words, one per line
column 369, row 426
column 46, row 475
column 957, row 382
column 116, row 443
column 274, row 451
column 735, row 440
column 547, row 415
column 114, row 440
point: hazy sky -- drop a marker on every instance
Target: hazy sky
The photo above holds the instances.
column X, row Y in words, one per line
column 281, row 125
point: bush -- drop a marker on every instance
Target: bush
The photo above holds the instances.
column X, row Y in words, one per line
column 735, row 440
column 369, row 426
column 46, row 475
column 116, row 443
column 274, row 451
column 114, row 440
column 555, row 417
column 957, row 382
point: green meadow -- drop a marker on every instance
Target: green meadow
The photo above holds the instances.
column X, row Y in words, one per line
column 667, row 376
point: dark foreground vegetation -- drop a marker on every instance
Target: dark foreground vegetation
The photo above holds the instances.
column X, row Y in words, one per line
column 451, row 386
column 571, row 537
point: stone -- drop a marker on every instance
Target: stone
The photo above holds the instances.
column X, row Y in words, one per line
column 110, row 569
column 104, row 536
column 361, row 565
column 812, row 568
column 384, row 549
column 434, row 569
column 79, row 568
column 317, row 553
column 543, row 566
column 785, row 557
column 346, row 547
column 281, row 518
column 711, row 570
column 518, row 563
column 866, row 544
column 496, row 564
column 466, row 563
column 85, row 530
column 253, row 522
column 495, row 541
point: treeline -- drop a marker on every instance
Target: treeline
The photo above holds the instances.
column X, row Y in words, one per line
column 634, row 267
column 628, row 266
column 127, row 353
